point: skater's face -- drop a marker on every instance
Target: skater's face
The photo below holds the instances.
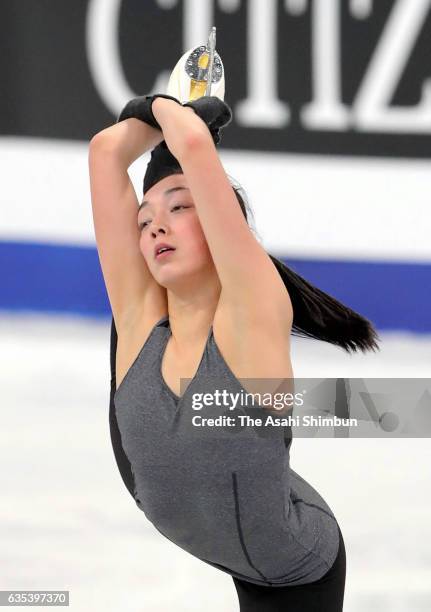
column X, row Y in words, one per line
column 169, row 216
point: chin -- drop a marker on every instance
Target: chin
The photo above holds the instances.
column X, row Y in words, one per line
column 171, row 278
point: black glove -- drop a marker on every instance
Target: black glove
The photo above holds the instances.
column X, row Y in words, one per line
column 140, row 108
column 214, row 112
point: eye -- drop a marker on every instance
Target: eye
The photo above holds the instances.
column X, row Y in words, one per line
column 143, row 224
column 179, row 206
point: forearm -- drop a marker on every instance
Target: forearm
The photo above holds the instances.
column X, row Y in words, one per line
column 180, row 125
column 127, row 140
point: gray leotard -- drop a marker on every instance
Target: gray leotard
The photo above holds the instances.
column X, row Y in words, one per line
column 226, row 495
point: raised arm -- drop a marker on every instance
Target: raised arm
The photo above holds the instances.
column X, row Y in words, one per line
column 128, row 281
column 249, row 279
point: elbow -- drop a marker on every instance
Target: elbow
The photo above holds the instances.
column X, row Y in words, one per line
column 100, row 142
column 97, row 144
column 104, row 146
column 196, row 140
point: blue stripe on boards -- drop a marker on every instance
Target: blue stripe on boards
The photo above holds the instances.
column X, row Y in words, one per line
column 52, row 278
column 68, row 279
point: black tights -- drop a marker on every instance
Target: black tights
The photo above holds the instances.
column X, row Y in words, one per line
column 323, row 595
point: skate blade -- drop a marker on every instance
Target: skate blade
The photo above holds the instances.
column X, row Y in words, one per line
column 188, row 79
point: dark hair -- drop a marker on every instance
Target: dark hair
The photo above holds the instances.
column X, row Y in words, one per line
column 316, row 314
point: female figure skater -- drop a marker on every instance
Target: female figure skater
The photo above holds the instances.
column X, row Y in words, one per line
column 195, row 296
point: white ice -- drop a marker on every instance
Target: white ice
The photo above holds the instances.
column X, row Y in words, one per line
column 68, row 523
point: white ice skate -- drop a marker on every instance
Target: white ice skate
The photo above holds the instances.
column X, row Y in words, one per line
column 199, row 72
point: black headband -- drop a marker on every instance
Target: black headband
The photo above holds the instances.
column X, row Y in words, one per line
column 161, row 165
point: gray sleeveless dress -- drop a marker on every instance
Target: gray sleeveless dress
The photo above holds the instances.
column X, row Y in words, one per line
column 226, row 495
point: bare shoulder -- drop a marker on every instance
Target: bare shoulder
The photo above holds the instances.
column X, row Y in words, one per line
column 131, row 336
column 254, row 339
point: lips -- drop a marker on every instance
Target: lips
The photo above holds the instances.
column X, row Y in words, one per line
column 162, row 245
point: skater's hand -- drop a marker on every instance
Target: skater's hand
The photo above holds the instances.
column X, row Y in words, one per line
column 214, row 112
column 141, row 108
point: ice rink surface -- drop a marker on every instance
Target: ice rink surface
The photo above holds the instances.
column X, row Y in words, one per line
column 68, row 522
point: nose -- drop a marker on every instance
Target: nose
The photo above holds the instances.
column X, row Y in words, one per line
column 158, row 227
column 158, row 224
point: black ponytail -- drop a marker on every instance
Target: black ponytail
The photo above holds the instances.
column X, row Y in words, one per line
column 316, row 314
